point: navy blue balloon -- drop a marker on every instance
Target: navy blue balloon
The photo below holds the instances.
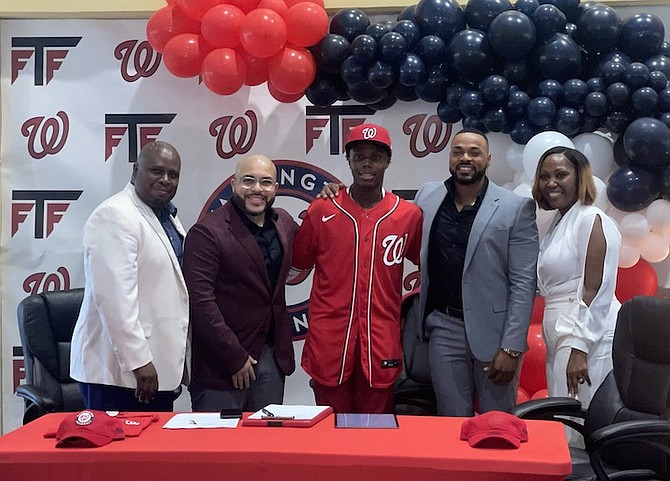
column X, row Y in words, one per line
column 636, row 76
column 617, row 121
column 598, row 29
column 644, row 101
column 612, row 71
column 517, row 72
column 331, row 52
column 568, row 7
column 473, row 123
column 595, row 104
column 570, row 29
column 454, row 94
column 472, row 104
column 518, row 104
column 412, row 70
column 615, row 56
column 378, row 30
column 434, row 87
column 620, row 155
column 392, row 48
column 664, row 100
column 541, row 111
column 495, row 89
column 410, row 31
column 448, row 114
column 407, row 13
column 548, row 21
column 618, row 95
column 665, row 184
column 469, row 53
column 641, row 36
column 658, row 80
column 443, row 18
column 574, row 92
column 353, row 71
column 512, row 34
column 364, row 48
column 523, row 131
column 590, row 124
column 647, row 142
column 551, row 89
column 323, row 91
column 596, row 84
column 349, row 23
column 479, row 13
column 527, row 7
column 567, row 121
column 632, row 188
column 559, row 58
column 385, row 103
column 495, row 119
column 404, row 93
column 365, row 93
column 664, row 49
column 584, row 6
column 380, row 75
column 431, row 49
column 659, row 62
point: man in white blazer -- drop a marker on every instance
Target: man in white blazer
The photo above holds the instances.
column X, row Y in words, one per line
column 129, row 347
column 478, row 273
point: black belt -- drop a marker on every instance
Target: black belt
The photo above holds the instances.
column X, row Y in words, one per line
column 452, row 312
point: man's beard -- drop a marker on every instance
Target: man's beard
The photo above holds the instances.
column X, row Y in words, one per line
column 476, row 177
column 238, row 201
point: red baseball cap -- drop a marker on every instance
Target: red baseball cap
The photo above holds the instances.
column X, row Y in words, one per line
column 369, row 133
column 494, row 429
column 87, row 429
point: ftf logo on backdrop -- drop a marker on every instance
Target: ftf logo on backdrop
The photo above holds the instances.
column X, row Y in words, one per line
column 48, row 55
column 141, row 128
column 53, row 203
column 299, row 183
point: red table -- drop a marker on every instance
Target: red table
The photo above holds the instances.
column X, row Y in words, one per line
column 423, row 448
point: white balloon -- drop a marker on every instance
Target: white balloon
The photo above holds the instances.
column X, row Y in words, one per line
column 658, row 213
column 600, row 152
column 602, row 201
column 616, row 214
column 654, row 248
column 538, row 145
column 514, row 157
column 634, row 227
column 523, row 190
column 629, row 254
column 498, row 171
column 666, row 234
column 509, row 185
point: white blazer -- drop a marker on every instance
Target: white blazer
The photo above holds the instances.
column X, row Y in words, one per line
column 135, row 308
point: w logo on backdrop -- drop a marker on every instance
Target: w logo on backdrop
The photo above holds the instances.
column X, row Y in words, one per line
column 46, row 136
column 138, row 59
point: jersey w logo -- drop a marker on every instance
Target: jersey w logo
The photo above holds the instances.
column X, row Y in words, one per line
column 394, row 248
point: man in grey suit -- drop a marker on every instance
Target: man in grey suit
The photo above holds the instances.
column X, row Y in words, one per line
column 478, row 273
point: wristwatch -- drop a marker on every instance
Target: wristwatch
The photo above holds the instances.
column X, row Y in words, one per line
column 510, row 352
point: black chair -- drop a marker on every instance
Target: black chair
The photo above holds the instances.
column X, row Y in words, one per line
column 46, row 322
column 626, row 429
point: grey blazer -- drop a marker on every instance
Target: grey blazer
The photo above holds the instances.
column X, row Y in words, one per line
column 499, row 275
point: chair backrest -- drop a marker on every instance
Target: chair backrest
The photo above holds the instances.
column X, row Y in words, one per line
column 46, row 322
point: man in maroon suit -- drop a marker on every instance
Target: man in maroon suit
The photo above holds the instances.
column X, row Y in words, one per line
column 236, row 261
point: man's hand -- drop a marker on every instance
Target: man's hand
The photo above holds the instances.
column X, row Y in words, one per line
column 147, row 383
column 242, row 378
column 330, row 190
column 502, row 369
column 577, row 372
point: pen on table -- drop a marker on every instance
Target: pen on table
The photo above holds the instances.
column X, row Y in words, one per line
column 192, row 421
column 267, row 413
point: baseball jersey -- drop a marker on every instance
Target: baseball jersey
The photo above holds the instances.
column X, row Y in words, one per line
column 354, row 307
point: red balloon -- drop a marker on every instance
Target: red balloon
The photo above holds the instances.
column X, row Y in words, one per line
column 292, row 70
column 307, row 24
column 278, row 6
column 224, row 71
column 541, row 394
column 221, row 26
column 290, row 3
column 537, row 314
column 533, row 375
column 257, row 68
column 639, row 280
column 166, row 23
column 245, row 5
column 522, row 396
column 281, row 96
column 183, row 55
column 263, row 33
column 196, row 9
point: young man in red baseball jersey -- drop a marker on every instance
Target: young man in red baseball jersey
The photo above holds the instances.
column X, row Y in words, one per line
column 357, row 243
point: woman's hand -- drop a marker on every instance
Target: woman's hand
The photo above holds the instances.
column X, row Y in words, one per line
column 577, row 372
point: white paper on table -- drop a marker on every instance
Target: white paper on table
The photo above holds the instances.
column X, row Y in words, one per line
column 199, row 421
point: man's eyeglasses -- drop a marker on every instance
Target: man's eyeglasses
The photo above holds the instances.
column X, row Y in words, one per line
column 249, row 182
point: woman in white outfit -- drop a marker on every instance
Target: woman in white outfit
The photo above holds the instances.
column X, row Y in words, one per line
column 577, row 270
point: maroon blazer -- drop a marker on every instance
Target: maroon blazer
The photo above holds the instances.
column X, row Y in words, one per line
column 231, row 300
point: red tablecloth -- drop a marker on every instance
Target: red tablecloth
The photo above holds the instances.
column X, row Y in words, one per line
column 423, row 448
